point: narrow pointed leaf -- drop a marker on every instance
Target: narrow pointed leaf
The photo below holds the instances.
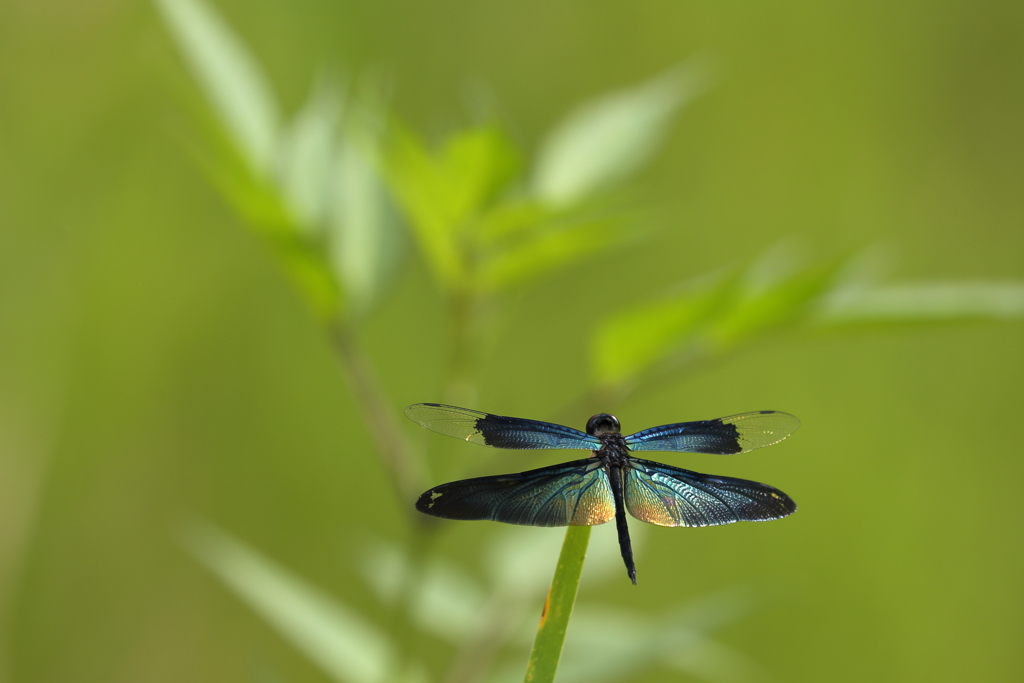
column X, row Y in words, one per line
column 264, row 210
column 712, row 317
column 513, row 218
column 444, row 193
column 449, row 603
column 421, row 189
column 479, row 164
column 306, row 157
column 770, row 306
column 631, row 341
column 346, row 646
column 445, row 601
column 229, row 75
column 680, row 637
column 364, row 241
column 927, row 302
column 610, row 138
column 547, row 251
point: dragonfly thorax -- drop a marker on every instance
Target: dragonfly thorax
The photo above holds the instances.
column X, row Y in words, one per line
column 603, row 423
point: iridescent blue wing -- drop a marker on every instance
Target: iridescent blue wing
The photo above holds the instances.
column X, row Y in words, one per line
column 498, row 431
column 669, row 496
column 733, row 434
column 574, row 493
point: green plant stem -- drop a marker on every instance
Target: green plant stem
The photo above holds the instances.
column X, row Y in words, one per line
column 400, row 461
column 462, row 320
column 554, row 620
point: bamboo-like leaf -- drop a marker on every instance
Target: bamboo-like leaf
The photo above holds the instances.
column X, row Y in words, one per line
column 449, row 603
column 249, row 137
column 610, row 138
column 256, row 199
column 364, row 239
column 446, row 601
column 759, row 309
column 711, row 316
column 479, row 163
column 446, row 195
column 680, row 637
column 309, row 271
column 230, row 77
column 548, row 250
column 926, row 302
column 443, row 194
column 775, row 293
column 421, row 189
column 306, row 156
column 261, row 206
column 632, row 340
column 346, row 646
column 511, row 218
column 517, row 560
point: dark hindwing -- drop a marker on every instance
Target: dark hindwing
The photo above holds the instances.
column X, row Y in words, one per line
column 496, row 430
column 669, row 496
column 723, row 436
column 574, row 493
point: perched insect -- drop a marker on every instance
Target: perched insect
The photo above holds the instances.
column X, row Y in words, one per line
column 611, row 481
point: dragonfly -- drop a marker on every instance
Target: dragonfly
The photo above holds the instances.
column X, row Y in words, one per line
column 611, row 481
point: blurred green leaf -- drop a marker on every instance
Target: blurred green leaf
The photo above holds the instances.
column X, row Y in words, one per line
column 256, row 199
column 480, row 163
column 231, row 78
column 683, row 640
column 280, row 202
column 518, row 561
column 306, row 155
column 307, row 268
column 776, row 292
column 644, row 641
column 447, row 601
column 260, row 204
column 610, row 138
column 756, row 309
column 630, row 341
column 926, row 302
column 546, row 251
column 508, row 219
column 712, row 316
column 364, row 237
column 421, row 189
column 346, row 646
column 385, row 569
column 680, row 638
column 441, row 194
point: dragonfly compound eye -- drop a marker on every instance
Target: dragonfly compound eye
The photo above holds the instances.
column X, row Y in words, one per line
column 603, row 423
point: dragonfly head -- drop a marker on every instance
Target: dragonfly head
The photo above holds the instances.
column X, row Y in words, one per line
column 603, row 423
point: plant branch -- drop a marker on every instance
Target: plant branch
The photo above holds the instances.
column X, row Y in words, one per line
column 400, row 461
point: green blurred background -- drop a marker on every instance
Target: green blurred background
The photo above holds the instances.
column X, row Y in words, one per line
column 156, row 367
